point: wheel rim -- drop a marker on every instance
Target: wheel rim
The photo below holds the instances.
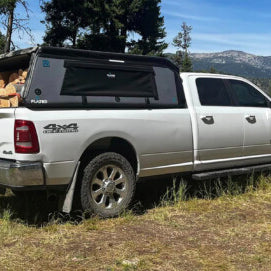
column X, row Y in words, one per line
column 109, row 187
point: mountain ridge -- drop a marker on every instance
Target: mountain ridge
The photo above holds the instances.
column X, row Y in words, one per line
column 233, row 62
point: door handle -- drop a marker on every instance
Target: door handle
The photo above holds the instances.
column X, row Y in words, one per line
column 207, row 119
column 250, row 118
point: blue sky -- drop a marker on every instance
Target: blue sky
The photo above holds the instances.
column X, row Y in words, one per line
column 218, row 25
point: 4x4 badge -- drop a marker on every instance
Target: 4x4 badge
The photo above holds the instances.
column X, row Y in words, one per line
column 60, row 129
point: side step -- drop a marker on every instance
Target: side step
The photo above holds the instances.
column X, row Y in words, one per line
column 230, row 172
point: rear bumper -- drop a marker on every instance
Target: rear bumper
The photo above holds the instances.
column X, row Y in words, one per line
column 16, row 174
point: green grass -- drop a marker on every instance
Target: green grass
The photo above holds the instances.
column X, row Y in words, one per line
column 215, row 225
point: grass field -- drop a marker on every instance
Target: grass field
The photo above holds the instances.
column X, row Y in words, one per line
column 216, row 225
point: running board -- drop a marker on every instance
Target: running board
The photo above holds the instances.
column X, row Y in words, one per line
column 229, row 172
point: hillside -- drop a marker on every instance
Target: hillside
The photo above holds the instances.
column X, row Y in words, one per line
column 255, row 68
column 234, row 62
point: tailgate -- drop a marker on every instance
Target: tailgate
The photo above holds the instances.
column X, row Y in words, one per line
column 7, row 117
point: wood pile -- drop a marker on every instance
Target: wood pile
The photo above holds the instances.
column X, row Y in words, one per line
column 11, row 84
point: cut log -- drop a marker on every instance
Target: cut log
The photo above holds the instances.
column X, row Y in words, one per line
column 11, row 85
column 20, row 80
column 4, row 76
column 4, row 102
column 2, row 83
column 13, row 77
column 13, row 88
column 3, row 92
column 24, row 74
column 14, row 101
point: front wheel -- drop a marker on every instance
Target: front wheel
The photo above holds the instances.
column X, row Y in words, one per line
column 108, row 185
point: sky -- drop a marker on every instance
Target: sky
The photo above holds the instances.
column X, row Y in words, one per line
column 218, row 25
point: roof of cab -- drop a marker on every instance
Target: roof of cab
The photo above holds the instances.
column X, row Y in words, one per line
column 212, row 75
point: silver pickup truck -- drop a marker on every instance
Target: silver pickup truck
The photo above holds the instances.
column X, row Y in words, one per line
column 96, row 122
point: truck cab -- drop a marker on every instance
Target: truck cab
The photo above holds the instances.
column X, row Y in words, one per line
column 231, row 117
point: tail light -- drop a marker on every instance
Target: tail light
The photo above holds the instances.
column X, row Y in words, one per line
column 25, row 137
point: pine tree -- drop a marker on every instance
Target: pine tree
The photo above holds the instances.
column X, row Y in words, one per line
column 149, row 24
column 12, row 21
column 64, row 19
column 118, row 18
column 2, row 43
column 187, row 63
column 105, row 28
column 212, row 70
column 105, row 25
column 182, row 42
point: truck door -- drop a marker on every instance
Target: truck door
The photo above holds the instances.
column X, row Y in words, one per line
column 219, row 124
column 257, row 116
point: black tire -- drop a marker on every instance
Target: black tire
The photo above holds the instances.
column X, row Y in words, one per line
column 108, row 185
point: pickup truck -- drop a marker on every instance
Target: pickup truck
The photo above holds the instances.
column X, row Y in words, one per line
column 94, row 123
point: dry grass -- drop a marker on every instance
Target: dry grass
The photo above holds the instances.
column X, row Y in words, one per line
column 223, row 228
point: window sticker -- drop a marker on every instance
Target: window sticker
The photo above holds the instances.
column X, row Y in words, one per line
column 46, row 63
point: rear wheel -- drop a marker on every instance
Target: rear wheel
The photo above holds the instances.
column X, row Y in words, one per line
column 108, row 185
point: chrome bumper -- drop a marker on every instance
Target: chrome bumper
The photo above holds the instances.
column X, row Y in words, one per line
column 21, row 174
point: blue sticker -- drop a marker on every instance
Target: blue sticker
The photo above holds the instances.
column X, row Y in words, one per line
column 46, row 63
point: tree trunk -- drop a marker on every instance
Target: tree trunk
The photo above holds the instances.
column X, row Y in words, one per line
column 124, row 39
column 9, row 31
column 74, row 38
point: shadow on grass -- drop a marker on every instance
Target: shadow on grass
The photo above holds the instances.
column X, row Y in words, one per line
column 33, row 208
column 158, row 192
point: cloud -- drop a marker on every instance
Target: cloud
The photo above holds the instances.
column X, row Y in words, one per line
column 190, row 17
column 250, row 42
column 183, row 4
column 236, row 39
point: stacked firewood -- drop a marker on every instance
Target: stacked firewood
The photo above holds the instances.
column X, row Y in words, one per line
column 11, row 84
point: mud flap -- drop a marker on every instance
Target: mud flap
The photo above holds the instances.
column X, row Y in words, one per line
column 67, row 205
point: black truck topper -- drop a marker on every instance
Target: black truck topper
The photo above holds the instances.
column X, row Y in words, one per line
column 79, row 53
column 57, row 52
column 15, row 59
column 65, row 77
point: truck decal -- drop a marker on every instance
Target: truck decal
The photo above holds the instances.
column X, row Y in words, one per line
column 60, row 129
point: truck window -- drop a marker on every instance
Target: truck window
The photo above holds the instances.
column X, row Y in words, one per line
column 247, row 95
column 167, row 90
column 213, row 92
column 103, row 79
